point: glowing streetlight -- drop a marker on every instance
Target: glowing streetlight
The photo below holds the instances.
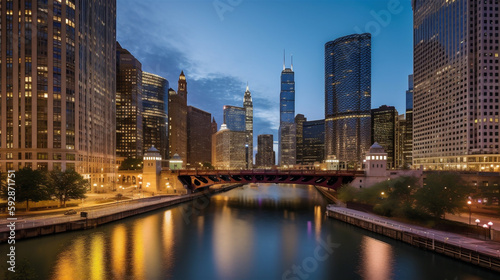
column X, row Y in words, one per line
column 477, row 222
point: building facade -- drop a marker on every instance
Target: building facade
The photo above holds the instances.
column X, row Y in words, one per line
column 129, row 141
column 177, row 119
column 348, row 98
column 299, row 137
column 384, row 123
column 228, row 147
column 456, row 88
column 155, row 113
column 287, row 130
column 313, row 148
column 235, row 118
column 58, row 73
column 265, row 157
column 248, row 106
column 199, row 130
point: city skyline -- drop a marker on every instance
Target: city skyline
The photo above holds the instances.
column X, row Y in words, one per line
column 236, row 53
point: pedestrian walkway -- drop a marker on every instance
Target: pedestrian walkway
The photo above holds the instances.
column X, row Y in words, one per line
column 488, row 247
column 464, row 218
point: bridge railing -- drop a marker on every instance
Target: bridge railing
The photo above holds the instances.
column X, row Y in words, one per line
column 269, row 172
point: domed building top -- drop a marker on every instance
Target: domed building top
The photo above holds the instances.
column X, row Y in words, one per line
column 153, row 149
column 176, row 157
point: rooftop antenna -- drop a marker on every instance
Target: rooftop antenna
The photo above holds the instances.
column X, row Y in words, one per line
column 283, row 59
column 292, row 62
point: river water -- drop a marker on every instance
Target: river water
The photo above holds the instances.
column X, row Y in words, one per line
column 261, row 232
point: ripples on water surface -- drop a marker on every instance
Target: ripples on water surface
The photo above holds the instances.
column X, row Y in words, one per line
column 263, row 232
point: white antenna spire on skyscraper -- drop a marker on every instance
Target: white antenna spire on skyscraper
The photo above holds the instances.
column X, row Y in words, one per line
column 292, row 62
column 283, row 59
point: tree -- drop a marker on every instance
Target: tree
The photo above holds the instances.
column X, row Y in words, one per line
column 208, row 166
column 131, row 164
column 30, row 185
column 443, row 193
column 66, row 185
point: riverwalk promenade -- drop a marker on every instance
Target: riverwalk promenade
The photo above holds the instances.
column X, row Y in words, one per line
column 484, row 253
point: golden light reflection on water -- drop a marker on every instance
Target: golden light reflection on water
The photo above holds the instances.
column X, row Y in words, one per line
column 97, row 257
column 377, row 259
column 317, row 220
column 168, row 240
column 232, row 243
column 71, row 262
column 119, row 250
column 138, row 249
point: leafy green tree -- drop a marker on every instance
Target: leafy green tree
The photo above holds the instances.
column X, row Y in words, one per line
column 66, row 185
column 443, row 193
column 30, row 185
column 347, row 193
column 208, row 166
column 131, row 164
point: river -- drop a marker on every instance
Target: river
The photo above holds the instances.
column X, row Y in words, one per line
column 262, row 232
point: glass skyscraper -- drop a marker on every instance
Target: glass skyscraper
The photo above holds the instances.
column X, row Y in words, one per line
column 287, row 129
column 348, row 98
column 155, row 113
column 313, row 148
column 235, row 118
column 456, row 91
column 384, row 131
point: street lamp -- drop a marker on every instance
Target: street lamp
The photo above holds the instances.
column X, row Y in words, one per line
column 490, row 224
column 477, row 222
column 470, row 211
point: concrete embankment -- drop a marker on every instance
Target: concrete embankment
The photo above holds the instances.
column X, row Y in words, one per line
column 100, row 217
column 478, row 252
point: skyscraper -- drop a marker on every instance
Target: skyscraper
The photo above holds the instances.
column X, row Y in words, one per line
column 287, row 129
column 235, row 118
column 177, row 119
column 456, row 100
column 313, row 148
column 299, row 138
column 265, row 156
column 348, row 98
column 129, row 110
column 228, row 146
column 199, row 131
column 407, row 144
column 384, row 131
column 248, row 105
column 155, row 113
column 58, row 63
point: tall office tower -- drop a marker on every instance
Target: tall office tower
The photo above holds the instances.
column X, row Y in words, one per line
column 348, row 98
column 314, row 142
column 299, row 138
column 265, row 156
column 129, row 142
column 214, row 126
column 199, row 131
column 456, row 90
column 248, row 105
column 58, row 63
column 287, row 129
column 155, row 113
column 228, row 152
column 235, row 118
column 407, row 146
column 384, row 124
column 177, row 119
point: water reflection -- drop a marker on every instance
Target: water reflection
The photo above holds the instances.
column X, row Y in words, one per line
column 376, row 259
column 118, row 243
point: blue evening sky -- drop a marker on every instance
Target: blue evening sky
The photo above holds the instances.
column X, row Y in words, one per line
column 223, row 44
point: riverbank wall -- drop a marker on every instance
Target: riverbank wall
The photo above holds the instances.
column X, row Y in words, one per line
column 96, row 219
column 465, row 249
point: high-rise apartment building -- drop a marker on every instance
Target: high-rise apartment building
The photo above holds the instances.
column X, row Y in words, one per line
column 407, row 128
column 348, row 98
column 177, row 119
column 456, row 88
column 313, row 148
column 384, row 121
column 287, row 130
column 155, row 113
column 129, row 143
column 199, row 131
column 228, row 147
column 58, row 63
column 265, row 156
column 299, row 137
